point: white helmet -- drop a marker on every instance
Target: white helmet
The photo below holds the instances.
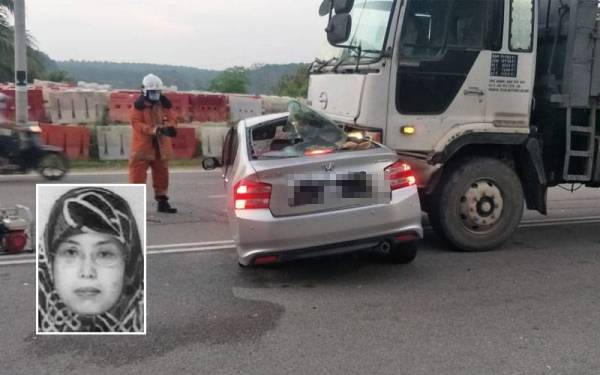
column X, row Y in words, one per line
column 152, row 83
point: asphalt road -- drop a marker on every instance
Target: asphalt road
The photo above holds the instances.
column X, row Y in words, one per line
column 532, row 307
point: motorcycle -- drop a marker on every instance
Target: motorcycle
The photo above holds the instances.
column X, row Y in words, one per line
column 23, row 151
column 16, row 229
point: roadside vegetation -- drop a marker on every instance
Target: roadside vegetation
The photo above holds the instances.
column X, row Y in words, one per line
column 40, row 66
column 294, row 85
column 232, row 81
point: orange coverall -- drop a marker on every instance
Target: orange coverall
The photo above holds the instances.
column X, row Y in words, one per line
column 149, row 149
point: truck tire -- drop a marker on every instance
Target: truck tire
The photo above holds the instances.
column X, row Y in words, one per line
column 478, row 205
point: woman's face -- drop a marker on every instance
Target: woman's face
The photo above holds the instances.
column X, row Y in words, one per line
column 88, row 272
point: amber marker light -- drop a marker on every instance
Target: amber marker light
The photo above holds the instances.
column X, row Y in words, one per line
column 408, row 130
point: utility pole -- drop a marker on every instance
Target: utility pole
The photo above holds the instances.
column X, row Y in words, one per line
column 21, row 110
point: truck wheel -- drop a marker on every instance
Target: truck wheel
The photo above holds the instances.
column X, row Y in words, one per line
column 403, row 253
column 479, row 205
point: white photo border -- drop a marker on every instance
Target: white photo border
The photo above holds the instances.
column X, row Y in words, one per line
column 39, row 231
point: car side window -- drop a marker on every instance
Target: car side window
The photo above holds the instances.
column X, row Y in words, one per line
column 521, row 25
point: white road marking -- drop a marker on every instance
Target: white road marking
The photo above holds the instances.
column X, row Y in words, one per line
column 15, row 262
column 195, row 247
column 557, row 222
column 17, row 256
column 193, row 244
column 200, row 247
column 191, row 250
column 106, row 173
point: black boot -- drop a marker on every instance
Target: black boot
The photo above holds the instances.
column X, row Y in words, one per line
column 164, row 206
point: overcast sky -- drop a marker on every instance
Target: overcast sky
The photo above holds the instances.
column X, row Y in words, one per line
column 212, row 34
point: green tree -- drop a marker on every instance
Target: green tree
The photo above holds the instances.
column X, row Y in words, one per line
column 6, row 39
column 295, row 85
column 233, row 80
column 57, row 76
column 36, row 60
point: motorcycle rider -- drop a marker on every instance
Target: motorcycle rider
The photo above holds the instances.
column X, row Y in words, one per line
column 4, row 123
column 154, row 125
column 8, row 144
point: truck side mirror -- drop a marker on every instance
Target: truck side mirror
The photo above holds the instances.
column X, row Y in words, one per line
column 338, row 30
column 325, row 8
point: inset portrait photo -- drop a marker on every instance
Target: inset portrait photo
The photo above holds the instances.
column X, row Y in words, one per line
column 91, row 259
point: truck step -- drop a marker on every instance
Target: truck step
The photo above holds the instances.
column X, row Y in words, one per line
column 580, row 154
column 582, row 129
column 577, row 178
column 579, row 163
column 596, row 178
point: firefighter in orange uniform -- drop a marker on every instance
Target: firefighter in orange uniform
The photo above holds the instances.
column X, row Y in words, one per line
column 154, row 125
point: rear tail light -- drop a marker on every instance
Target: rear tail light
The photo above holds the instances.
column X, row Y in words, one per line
column 251, row 195
column 15, row 241
column 400, row 175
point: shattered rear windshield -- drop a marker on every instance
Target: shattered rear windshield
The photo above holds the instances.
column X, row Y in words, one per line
column 305, row 132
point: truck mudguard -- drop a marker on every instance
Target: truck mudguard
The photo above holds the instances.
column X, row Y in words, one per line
column 477, row 139
column 529, row 162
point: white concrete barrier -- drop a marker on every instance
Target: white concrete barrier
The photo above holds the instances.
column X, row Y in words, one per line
column 212, row 137
column 243, row 107
column 75, row 107
column 114, row 142
column 274, row 104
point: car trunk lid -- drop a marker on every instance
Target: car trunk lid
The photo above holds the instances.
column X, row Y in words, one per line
column 326, row 182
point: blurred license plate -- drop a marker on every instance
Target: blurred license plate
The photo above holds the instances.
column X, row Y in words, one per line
column 343, row 186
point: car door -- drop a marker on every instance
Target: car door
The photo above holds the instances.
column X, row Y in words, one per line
column 228, row 155
column 440, row 85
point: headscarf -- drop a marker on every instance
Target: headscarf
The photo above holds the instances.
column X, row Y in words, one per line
column 92, row 210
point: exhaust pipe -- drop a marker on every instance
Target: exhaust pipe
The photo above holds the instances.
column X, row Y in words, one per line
column 385, row 247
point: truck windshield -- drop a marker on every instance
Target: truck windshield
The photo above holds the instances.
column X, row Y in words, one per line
column 370, row 22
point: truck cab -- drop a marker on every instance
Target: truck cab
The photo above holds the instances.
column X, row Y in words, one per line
column 491, row 101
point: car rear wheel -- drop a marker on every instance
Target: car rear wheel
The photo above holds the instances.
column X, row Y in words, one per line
column 403, row 253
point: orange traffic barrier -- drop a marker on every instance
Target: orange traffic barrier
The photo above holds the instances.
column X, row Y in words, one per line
column 53, row 135
column 35, row 99
column 77, row 143
column 185, row 144
column 182, row 107
column 209, row 107
column 121, row 103
column 74, row 141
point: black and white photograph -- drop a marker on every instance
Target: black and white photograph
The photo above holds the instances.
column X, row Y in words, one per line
column 91, row 259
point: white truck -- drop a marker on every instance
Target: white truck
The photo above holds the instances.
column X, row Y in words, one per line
column 491, row 101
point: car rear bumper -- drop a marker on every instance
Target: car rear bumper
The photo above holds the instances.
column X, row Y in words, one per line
column 258, row 232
